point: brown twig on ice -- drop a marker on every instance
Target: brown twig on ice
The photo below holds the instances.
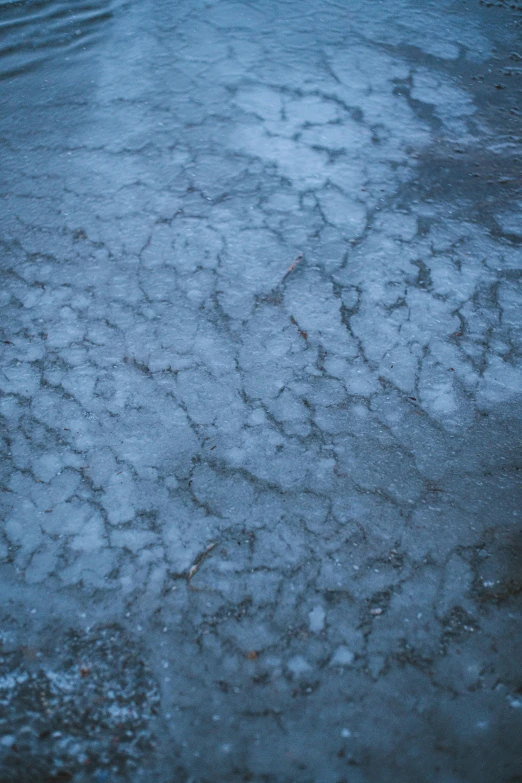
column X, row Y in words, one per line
column 199, row 560
column 292, row 267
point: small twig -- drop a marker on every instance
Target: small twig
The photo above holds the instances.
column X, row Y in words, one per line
column 199, row 560
column 292, row 267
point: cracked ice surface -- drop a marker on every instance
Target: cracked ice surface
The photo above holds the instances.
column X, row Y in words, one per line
column 261, row 389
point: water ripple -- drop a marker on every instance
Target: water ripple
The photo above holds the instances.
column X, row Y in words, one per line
column 32, row 31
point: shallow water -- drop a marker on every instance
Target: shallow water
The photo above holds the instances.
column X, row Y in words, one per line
column 261, row 389
column 34, row 31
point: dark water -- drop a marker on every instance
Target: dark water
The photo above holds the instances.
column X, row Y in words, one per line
column 33, row 31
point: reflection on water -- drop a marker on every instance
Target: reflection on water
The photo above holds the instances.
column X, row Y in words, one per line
column 34, row 30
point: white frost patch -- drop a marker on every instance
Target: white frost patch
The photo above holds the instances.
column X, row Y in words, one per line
column 501, row 382
column 262, row 101
column 10, row 681
column 46, row 466
column 511, row 222
column 298, row 665
column 22, row 379
column 343, row 212
column 342, row 657
column 450, row 103
column 61, row 681
column 42, row 564
column 118, row 500
column 316, row 619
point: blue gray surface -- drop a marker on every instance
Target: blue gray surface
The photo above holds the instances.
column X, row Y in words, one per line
column 261, row 384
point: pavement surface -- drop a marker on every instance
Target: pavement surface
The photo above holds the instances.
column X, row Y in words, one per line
column 261, row 389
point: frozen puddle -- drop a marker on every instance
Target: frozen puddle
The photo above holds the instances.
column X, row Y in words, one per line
column 260, row 388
